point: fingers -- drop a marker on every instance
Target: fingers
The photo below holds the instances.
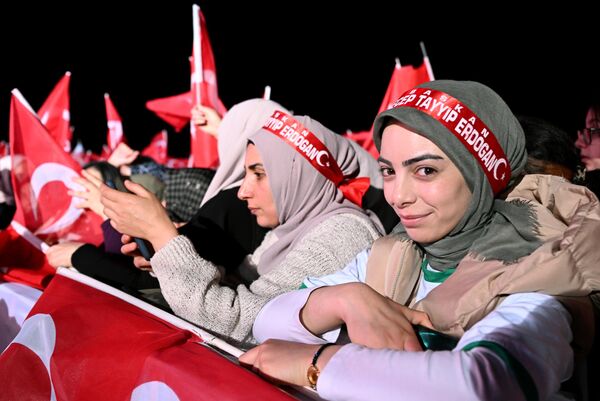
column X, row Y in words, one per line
column 91, row 178
column 130, row 249
column 249, row 357
column 141, row 263
column 137, row 189
column 126, row 239
column 421, row 318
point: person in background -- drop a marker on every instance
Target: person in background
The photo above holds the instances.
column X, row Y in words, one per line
column 550, row 150
column 588, row 142
column 298, row 182
column 7, row 199
column 481, row 254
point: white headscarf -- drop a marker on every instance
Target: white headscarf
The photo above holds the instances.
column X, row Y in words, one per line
column 241, row 121
column 303, row 196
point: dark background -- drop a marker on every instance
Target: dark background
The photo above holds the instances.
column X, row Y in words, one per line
column 332, row 63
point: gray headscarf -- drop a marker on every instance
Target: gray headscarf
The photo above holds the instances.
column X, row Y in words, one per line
column 241, row 121
column 491, row 228
column 303, row 196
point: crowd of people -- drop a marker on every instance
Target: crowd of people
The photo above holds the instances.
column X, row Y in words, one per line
column 458, row 265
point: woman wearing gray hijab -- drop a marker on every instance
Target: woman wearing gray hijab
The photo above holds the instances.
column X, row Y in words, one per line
column 483, row 254
column 299, row 181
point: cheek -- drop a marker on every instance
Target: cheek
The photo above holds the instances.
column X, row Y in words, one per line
column 594, row 148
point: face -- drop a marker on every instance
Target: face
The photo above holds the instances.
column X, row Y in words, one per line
column 590, row 153
column 424, row 187
column 255, row 190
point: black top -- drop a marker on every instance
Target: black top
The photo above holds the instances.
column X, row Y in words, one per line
column 223, row 231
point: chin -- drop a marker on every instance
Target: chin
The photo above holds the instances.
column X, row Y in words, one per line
column 422, row 236
column 266, row 223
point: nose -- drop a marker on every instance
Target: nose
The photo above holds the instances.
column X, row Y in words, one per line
column 403, row 193
column 579, row 144
column 245, row 190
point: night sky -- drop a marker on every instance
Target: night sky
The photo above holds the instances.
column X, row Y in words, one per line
column 332, row 65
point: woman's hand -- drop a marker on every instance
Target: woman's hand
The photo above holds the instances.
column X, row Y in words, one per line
column 376, row 321
column 139, row 214
column 285, row 362
column 60, row 254
column 122, row 155
column 371, row 319
column 206, row 118
column 130, row 248
column 91, row 195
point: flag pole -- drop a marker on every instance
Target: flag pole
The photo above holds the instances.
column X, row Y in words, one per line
column 267, row 93
column 426, row 61
column 198, row 77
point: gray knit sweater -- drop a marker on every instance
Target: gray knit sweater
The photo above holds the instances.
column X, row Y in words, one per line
column 191, row 286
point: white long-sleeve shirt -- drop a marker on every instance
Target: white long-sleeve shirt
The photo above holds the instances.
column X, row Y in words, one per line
column 521, row 348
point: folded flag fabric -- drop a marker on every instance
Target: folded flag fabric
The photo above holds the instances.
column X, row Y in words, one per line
column 84, row 340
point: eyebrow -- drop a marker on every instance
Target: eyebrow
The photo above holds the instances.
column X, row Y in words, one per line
column 414, row 160
column 426, row 156
column 256, row 166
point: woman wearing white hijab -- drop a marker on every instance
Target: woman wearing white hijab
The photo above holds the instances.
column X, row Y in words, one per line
column 299, row 179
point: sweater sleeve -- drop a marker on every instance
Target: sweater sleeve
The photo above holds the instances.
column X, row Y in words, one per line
column 519, row 351
column 191, row 286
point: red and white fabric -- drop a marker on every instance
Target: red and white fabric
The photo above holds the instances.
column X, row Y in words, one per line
column 114, row 135
column 84, row 340
column 403, row 79
column 203, row 149
column 55, row 114
column 157, row 148
column 42, row 173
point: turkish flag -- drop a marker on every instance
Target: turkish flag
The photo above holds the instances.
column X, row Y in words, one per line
column 114, row 135
column 55, row 114
column 175, row 110
column 86, row 341
column 204, row 91
column 42, row 173
column 22, row 260
column 403, row 79
column 157, row 148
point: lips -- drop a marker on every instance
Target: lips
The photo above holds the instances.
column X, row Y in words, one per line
column 413, row 220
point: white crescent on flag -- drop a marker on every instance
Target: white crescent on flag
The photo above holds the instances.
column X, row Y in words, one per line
column 46, row 173
column 39, row 335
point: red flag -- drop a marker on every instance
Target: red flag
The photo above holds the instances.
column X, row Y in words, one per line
column 22, row 259
column 42, row 173
column 83, row 341
column 204, row 91
column 55, row 115
column 114, row 135
column 403, row 79
column 157, row 149
column 175, row 110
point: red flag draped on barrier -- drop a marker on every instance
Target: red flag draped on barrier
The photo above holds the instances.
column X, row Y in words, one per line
column 55, row 114
column 42, row 173
column 83, row 341
column 403, row 79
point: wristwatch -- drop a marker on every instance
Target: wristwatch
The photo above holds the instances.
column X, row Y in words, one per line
column 312, row 374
